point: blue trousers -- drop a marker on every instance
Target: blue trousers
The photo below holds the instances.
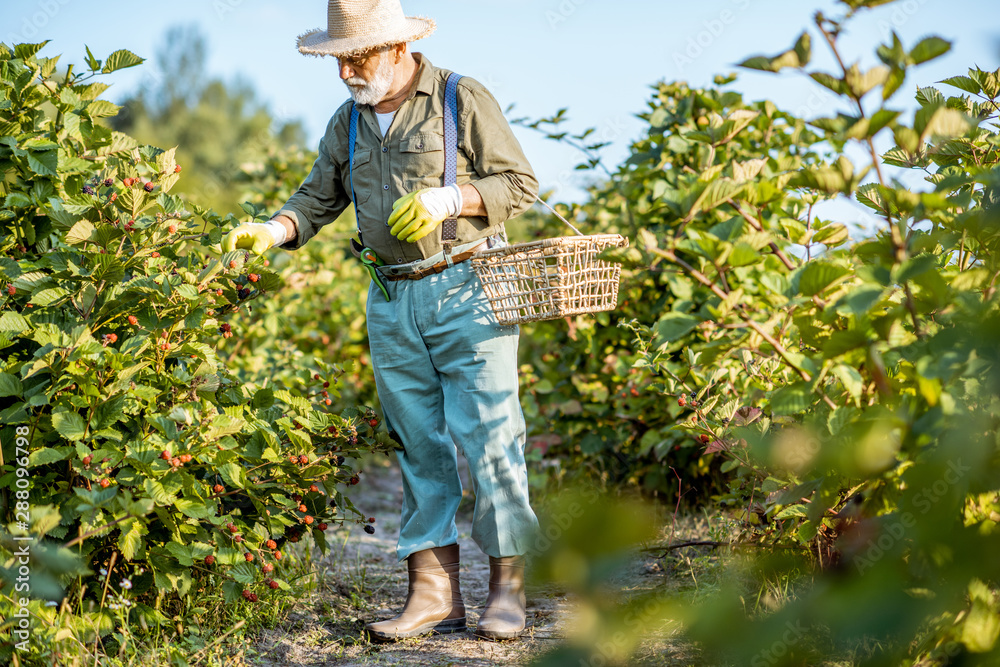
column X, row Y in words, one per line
column 446, row 375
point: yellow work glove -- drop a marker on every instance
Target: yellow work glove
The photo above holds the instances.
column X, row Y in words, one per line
column 417, row 214
column 254, row 236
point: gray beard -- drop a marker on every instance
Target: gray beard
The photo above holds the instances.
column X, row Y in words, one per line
column 372, row 91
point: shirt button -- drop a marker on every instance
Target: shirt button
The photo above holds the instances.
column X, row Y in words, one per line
column 399, row 260
column 385, row 149
column 385, row 187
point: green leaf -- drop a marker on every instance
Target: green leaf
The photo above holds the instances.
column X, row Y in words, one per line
column 964, row 83
column 673, row 326
column 120, row 60
column 68, row 423
column 928, row 49
column 819, row 275
column 792, row 399
column 234, row 475
column 17, row 200
column 80, row 233
column 130, row 541
column 93, row 63
column 10, row 385
column 49, row 455
column 43, row 163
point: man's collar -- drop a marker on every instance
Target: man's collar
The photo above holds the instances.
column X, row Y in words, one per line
column 425, row 74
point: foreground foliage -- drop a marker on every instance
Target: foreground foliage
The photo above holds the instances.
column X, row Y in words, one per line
column 146, row 473
column 848, row 386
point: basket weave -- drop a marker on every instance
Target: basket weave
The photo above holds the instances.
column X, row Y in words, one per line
column 550, row 279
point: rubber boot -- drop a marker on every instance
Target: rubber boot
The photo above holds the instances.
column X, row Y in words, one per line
column 433, row 602
column 504, row 615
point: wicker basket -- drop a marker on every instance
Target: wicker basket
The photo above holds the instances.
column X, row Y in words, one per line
column 550, row 279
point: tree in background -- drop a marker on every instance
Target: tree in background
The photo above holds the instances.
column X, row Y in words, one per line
column 216, row 125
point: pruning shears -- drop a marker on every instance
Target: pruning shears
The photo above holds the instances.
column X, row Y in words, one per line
column 371, row 260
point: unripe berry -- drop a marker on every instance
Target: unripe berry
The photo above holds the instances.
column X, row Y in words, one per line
column 218, row 488
column 271, row 544
column 11, row 289
column 133, row 320
column 186, row 458
column 303, row 508
column 105, row 483
column 248, row 556
column 308, row 519
column 314, row 488
column 172, row 229
column 154, row 254
column 253, row 277
column 267, row 568
column 209, row 559
column 682, row 400
column 177, row 169
column 303, row 459
column 232, row 264
column 87, row 459
column 293, row 459
column 277, row 555
column 176, row 462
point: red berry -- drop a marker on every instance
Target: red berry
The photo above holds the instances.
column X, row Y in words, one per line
column 186, row 458
column 87, row 459
column 11, row 289
column 172, row 229
column 371, row 519
column 314, row 488
column 704, row 438
column 247, row 594
column 176, row 462
column 105, row 483
column 303, row 508
column 293, row 538
column 219, row 291
column 232, row 527
column 253, row 277
column 682, row 400
column 164, row 345
column 303, row 459
column 133, row 320
column 237, row 538
column 308, row 519
column 271, row 544
column 322, row 526
column 248, row 556
column 177, row 169
column 267, row 567
column 293, row 459
column 297, row 498
column 232, row 264
column 209, row 559
column 277, row 555
column 253, row 597
column 154, row 254
column 355, row 480
column 328, row 401
column 326, row 384
column 218, row 488
column 273, row 584
column 373, row 423
column 148, row 186
column 316, row 376
column 165, row 455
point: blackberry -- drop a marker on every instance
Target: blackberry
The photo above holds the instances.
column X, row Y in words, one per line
column 370, row 529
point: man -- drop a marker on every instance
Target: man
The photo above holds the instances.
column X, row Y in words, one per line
column 445, row 370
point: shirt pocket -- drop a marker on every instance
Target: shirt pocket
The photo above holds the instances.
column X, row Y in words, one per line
column 423, row 160
column 363, row 174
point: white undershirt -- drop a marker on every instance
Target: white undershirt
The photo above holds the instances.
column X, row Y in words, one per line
column 384, row 121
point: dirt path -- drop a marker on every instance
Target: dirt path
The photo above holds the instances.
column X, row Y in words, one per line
column 362, row 581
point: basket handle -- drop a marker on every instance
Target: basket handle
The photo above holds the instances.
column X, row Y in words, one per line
column 556, row 213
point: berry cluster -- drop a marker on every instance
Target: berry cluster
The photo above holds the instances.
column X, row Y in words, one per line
column 252, row 597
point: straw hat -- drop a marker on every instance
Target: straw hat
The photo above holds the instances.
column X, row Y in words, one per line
column 355, row 26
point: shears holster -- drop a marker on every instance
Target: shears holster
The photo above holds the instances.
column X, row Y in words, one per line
column 370, row 261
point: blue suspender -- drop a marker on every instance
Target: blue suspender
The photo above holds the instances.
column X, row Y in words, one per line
column 449, row 228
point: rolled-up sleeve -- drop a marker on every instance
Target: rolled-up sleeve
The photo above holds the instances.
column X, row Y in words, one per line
column 320, row 199
column 507, row 183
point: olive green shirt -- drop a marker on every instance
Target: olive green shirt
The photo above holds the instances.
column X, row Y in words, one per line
column 411, row 157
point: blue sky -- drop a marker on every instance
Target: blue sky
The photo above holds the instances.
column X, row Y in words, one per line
column 596, row 58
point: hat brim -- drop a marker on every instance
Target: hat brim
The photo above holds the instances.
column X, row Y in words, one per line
column 319, row 43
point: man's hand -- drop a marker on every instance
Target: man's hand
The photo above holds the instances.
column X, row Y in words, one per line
column 254, row 236
column 417, row 214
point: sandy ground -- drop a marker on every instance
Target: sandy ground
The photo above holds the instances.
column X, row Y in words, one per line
column 361, row 581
